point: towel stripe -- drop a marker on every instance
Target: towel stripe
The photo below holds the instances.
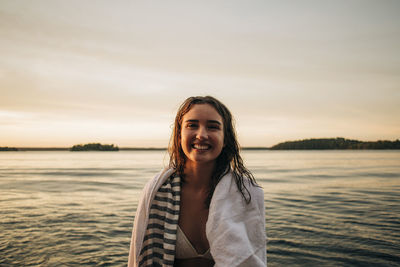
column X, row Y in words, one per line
column 161, row 227
column 163, row 218
column 167, row 199
column 165, row 191
column 160, row 246
column 164, row 208
column 160, row 237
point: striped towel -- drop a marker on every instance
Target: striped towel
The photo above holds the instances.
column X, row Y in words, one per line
column 160, row 237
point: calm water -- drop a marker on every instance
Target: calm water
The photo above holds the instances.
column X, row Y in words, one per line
column 328, row 208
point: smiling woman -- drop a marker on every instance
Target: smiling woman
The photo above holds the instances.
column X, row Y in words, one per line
column 206, row 208
column 202, row 134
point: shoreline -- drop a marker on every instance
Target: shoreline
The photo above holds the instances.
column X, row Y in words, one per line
column 26, row 149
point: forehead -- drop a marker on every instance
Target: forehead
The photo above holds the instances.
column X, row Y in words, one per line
column 202, row 112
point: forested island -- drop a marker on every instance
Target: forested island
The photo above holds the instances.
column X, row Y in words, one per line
column 6, row 148
column 94, row 147
column 335, row 143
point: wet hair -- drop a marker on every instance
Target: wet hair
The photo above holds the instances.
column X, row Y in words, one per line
column 229, row 158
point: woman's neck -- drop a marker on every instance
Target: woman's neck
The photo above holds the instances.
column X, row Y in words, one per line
column 199, row 175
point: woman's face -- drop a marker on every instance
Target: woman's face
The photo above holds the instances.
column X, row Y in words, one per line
column 202, row 134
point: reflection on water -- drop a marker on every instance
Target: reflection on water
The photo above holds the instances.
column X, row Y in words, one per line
column 330, row 208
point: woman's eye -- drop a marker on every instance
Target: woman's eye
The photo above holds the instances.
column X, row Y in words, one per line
column 213, row 127
column 191, row 125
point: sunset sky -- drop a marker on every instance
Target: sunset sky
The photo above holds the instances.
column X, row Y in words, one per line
column 116, row 71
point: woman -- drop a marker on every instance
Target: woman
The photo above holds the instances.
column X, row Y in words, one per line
column 206, row 208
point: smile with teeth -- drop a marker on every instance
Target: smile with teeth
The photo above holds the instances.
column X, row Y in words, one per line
column 201, row 147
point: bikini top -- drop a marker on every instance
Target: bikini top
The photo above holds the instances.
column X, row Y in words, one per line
column 185, row 250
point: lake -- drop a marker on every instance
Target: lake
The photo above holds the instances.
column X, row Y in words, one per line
column 323, row 208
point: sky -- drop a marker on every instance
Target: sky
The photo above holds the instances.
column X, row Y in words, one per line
column 115, row 72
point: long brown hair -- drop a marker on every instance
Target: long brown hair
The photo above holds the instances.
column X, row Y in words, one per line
column 228, row 160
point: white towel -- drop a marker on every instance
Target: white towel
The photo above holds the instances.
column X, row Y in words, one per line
column 235, row 230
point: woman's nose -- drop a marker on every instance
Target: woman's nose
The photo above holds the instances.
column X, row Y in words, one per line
column 202, row 133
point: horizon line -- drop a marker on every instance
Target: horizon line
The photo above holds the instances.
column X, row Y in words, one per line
column 120, row 148
column 61, row 148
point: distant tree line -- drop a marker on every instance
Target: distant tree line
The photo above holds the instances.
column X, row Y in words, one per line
column 336, row 143
column 94, row 147
column 6, row 148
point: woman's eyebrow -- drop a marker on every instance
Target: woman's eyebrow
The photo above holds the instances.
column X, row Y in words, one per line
column 213, row 121
column 209, row 121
